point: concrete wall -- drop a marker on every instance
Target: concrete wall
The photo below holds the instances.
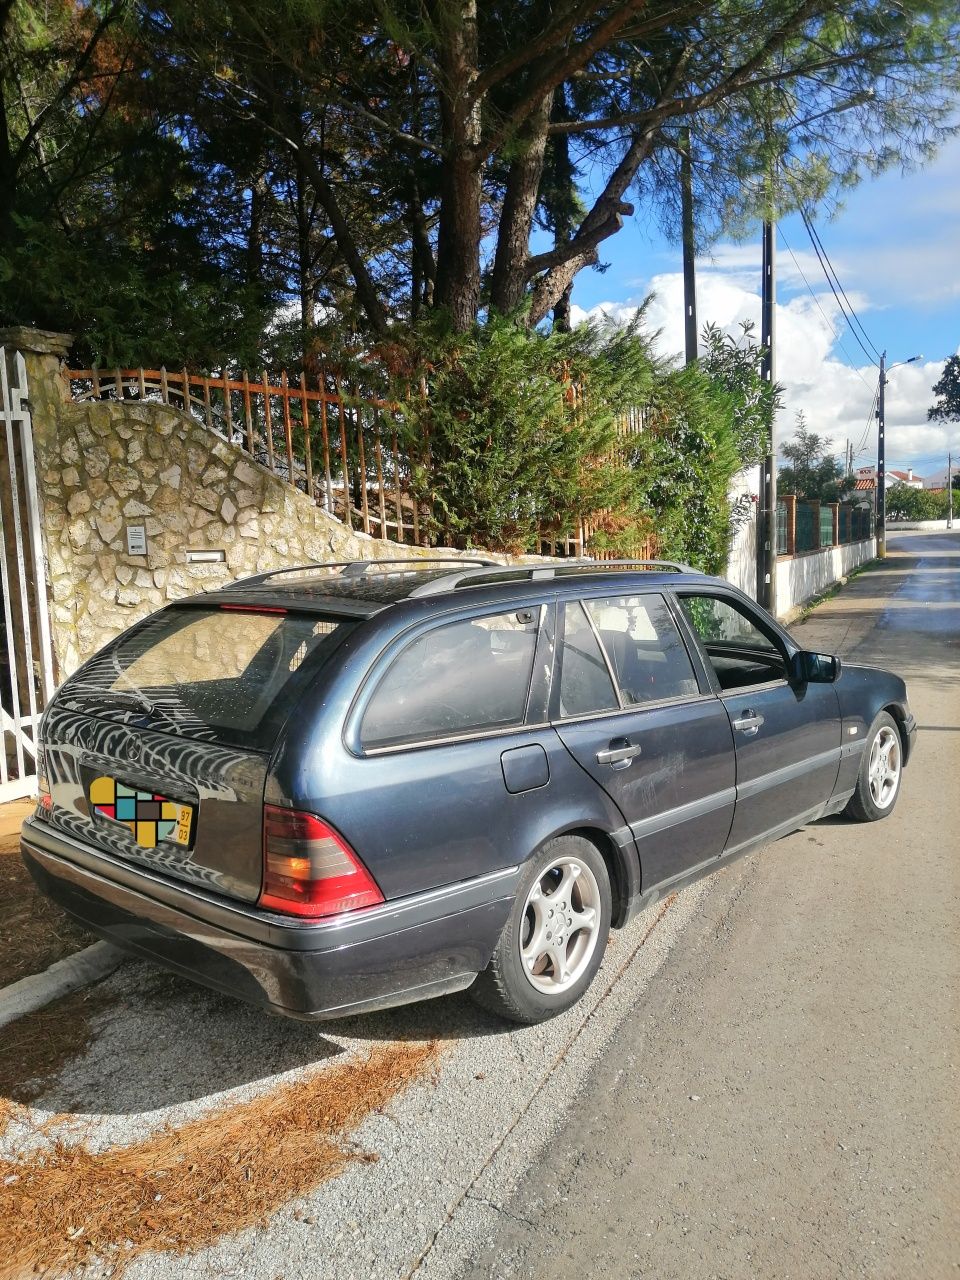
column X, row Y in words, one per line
column 104, row 466
column 742, row 564
column 800, row 578
column 930, row 526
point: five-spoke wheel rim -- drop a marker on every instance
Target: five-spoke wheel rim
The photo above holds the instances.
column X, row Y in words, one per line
column 560, row 926
column 885, row 767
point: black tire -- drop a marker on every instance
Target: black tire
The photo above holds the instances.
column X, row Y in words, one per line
column 519, row 990
column 870, row 803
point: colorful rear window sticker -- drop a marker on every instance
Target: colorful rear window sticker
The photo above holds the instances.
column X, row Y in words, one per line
column 150, row 817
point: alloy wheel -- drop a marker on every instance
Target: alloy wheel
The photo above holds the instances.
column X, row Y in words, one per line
column 884, row 768
column 561, row 924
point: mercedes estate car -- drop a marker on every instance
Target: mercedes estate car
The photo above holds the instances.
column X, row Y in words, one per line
column 342, row 787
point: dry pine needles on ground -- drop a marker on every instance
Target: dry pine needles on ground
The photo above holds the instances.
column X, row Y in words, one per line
column 186, row 1187
column 34, row 932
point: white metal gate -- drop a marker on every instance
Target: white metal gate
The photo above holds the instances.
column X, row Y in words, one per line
column 26, row 655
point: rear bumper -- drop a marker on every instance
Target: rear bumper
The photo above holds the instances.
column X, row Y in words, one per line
column 405, row 950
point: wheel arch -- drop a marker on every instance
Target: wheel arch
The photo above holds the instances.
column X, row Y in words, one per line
column 623, row 867
column 899, row 717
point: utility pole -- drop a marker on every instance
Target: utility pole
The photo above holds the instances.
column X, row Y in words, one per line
column 881, row 465
column 689, row 269
column 767, row 505
column 949, row 491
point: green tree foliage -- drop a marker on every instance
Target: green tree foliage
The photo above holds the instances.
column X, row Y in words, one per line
column 518, row 432
column 813, row 471
column 112, row 224
column 354, row 167
column 707, row 423
column 906, row 503
column 947, row 390
column 515, row 431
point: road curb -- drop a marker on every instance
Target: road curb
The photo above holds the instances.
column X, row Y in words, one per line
column 32, row 993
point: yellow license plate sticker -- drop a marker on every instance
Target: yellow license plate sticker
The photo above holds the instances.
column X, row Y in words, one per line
column 151, row 817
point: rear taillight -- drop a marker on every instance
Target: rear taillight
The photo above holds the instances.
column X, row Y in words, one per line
column 44, row 798
column 308, row 870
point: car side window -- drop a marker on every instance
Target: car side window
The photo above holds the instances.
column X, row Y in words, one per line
column 585, row 684
column 458, row 678
column 741, row 653
column 644, row 648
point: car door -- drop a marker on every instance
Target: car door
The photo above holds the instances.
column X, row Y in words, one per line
column 448, row 768
column 629, row 708
column 787, row 735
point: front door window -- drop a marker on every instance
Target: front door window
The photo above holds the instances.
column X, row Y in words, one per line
column 741, row 653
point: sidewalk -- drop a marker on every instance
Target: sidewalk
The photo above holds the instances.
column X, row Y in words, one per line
column 34, row 933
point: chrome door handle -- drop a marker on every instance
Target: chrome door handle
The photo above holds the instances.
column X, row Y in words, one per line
column 619, row 757
column 749, row 722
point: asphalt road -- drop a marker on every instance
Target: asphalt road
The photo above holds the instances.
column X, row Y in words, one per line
column 761, row 1083
column 783, row 1100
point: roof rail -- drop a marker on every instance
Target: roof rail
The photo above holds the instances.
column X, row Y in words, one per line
column 359, row 568
column 450, row 581
column 674, row 566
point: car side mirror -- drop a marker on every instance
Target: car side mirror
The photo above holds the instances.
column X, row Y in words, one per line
column 814, row 668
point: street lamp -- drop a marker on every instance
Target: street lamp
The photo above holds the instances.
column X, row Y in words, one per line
column 881, row 452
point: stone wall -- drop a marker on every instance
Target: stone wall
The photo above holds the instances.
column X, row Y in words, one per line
column 105, row 465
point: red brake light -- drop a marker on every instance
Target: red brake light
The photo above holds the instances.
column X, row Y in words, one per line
column 308, row 870
column 44, row 798
column 252, row 608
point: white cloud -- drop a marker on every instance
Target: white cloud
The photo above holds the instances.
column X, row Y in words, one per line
column 836, row 399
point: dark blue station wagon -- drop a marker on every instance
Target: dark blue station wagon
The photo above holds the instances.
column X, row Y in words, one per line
column 343, row 787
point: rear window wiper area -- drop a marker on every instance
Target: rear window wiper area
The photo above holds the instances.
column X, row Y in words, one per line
column 110, row 697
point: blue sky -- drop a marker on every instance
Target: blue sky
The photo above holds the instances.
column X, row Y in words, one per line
column 895, row 245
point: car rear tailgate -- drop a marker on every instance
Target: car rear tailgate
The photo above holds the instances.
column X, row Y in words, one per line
column 158, row 749
column 223, row 787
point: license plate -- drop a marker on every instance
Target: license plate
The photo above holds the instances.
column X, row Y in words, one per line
column 152, row 818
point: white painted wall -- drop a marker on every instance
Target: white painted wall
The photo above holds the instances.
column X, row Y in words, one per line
column 799, row 578
column 932, row 526
column 742, row 564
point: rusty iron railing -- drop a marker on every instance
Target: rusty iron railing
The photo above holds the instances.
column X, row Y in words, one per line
column 345, row 448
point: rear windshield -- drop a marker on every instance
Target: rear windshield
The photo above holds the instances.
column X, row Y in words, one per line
column 221, row 675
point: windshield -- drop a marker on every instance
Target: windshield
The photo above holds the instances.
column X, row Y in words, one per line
column 227, row 674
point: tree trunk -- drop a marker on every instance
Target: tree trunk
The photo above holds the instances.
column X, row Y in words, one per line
column 561, row 201
column 516, row 218
column 561, row 312
column 255, row 230
column 304, row 273
column 458, row 241
column 8, row 168
column 423, row 267
column 603, row 220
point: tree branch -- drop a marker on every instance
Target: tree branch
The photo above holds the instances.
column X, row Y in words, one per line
column 556, row 257
column 533, row 49
column 556, row 72
column 71, row 82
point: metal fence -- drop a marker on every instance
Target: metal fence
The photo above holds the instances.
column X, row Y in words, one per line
column 813, row 525
column 345, row 448
column 26, row 653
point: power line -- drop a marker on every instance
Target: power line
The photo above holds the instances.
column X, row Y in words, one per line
column 869, row 423
column 851, row 315
column 829, row 322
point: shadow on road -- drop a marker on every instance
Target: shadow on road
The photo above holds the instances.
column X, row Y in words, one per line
column 155, row 1040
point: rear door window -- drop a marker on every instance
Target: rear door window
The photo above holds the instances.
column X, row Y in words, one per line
column 644, row 648
column 459, row 678
column 585, row 683
column 222, row 674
